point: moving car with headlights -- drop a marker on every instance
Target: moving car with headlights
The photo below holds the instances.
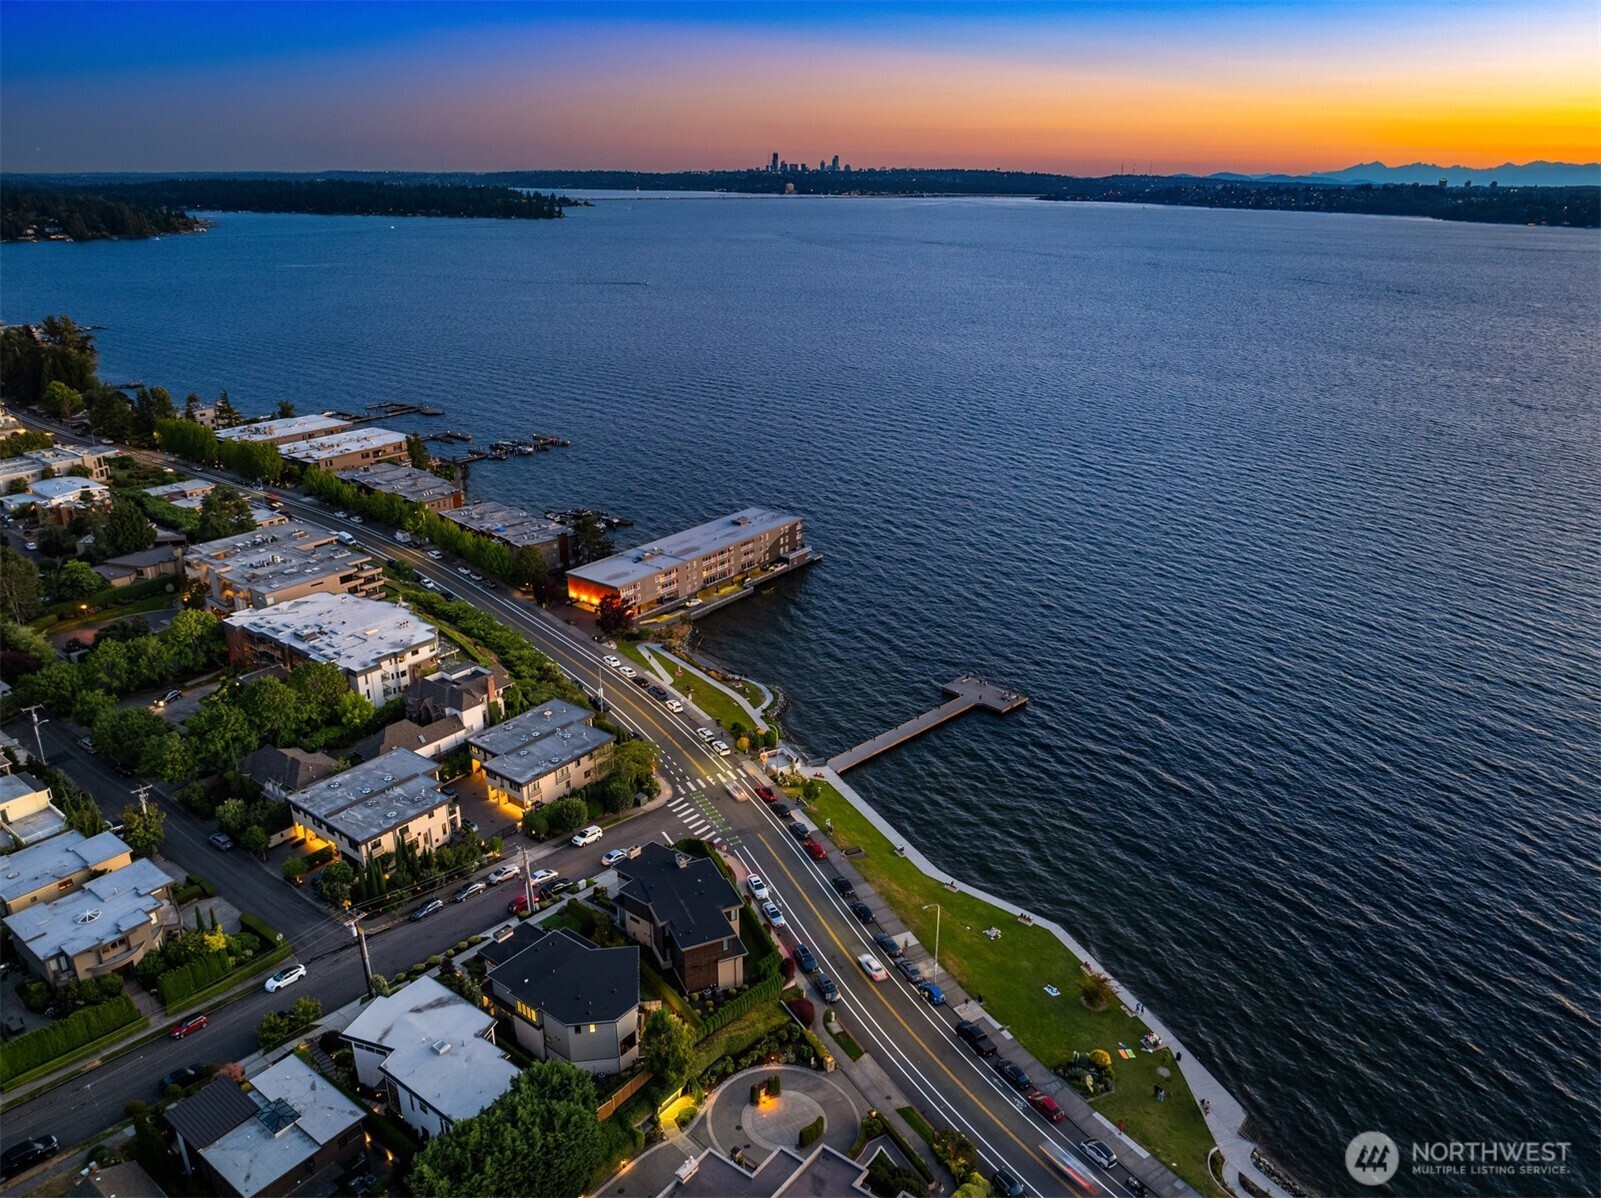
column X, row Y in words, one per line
column 871, row 967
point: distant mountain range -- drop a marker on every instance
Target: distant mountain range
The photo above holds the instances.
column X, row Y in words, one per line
column 1508, row 174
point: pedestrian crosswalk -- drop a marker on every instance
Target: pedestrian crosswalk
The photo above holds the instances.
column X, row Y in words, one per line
column 702, row 819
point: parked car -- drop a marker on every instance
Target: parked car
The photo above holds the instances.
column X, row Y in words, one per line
column 656, row 692
column 871, row 967
column 467, row 891
column 436, row 554
column 628, row 671
column 766, row 794
column 758, row 887
column 87, row 744
column 431, row 907
column 932, row 993
column 804, row 959
column 612, row 661
column 674, row 706
column 1135, row 1186
column 706, row 734
column 24, row 1156
column 862, row 912
column 187, row 1076
column 826, row 990
column 977, row 1038
column 772, row 914
column 888, row 944
column 559, row 886
column 1002, row 1182
column 1014, row 1075
column 1100, row 1152
column 721, row 747
column 187, row 1027
column 1046, row 1106
column 221, row 840
column 642, row 682
column 612, row 856
column 504, row 873
column 518, row 905
column 540, row 876
column 844, row 886
column 585, row 836
column 800, row 831
column 909, row 970
column 781, row 808
column 814, row 850
column 287, row 976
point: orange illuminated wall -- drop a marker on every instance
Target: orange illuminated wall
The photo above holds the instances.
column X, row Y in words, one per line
column 587, row 594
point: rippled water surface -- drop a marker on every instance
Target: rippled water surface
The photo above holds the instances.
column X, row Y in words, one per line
column 1289, row 524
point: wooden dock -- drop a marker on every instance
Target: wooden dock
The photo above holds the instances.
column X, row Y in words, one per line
column 966, row 693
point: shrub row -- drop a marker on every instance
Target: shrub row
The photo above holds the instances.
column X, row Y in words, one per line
column 270, row 935
column 45, row 1044
column 180, row 983
column 812, row 1132
column 764, row 991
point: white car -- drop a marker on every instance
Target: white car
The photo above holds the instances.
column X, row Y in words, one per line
column 628, row 671
column 436, row 554
column 758, row 888
column 341, row 515
column 504, row 873
column 463, row 571
column 721, row 747
column 674, row 705
column 585, row 836
column 706, row 734
column 613, row 662
column 287, row 976
column 773, row 914
column 540, row 876
column 612, row 856
column 872, row 968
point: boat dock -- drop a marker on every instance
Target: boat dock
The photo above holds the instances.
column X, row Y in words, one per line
column 966, row 693
column 378, row 411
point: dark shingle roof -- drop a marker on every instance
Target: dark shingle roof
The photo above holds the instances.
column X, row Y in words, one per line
column 291, row 769
column 571, row 979
column 404, row 734
column 689, row 897
column 204, row 1118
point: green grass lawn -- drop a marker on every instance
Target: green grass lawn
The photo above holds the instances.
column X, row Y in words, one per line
column 914, row 1120
column 108, row 615
column 1011, row 973
column 714, row 702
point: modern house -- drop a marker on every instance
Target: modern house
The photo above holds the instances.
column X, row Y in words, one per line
column 406, row 482
column 58, row 500
column 567, row 997
column 381, row 648
column 270, row 566
column 27, row 814
column 542, row 754
column 293, row 1131
column 467, row 692
column 785, row 1173
column 667, row 572
column 686, row 914
column 58, row 867
column 29, row 468
column 518, row 529
column 433, row 1052
column 348, row 450
column 369, row 809
column 108, row 924
column 156, row 562
column 288, row 430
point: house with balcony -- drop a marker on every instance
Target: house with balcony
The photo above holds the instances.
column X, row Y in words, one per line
column 541, row 755
column 106, row 926
column 685, row 913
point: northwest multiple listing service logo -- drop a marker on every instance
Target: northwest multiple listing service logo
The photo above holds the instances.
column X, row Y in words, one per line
column 1372, row 1158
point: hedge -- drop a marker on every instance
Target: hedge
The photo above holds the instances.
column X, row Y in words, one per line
column 270, row 935
column 82, row 1027
column 812, row 1132
column 177, row 984
column 764, row 991
column 257, row 964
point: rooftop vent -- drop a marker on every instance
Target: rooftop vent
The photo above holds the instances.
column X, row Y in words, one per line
column 391, row 814
column 441, row 1047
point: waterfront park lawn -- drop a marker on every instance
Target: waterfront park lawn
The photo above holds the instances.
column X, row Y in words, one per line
column 1011, row 973
column 710, row 699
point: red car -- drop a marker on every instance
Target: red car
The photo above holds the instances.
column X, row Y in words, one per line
column 1046, row 1106
column 188, row 1026
column 518, row 905
column 814, row 850
column 766, row 795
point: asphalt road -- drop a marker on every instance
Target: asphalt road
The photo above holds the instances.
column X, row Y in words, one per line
column 911, row 1041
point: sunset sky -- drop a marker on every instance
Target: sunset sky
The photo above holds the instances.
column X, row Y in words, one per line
column 1249, row 85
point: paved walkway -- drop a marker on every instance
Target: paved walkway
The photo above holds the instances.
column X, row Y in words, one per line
column 651, row 647
column 731, row 1122
column 1224, row 1115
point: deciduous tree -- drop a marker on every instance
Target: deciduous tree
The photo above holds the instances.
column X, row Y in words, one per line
column 127, row 530
column 143, row 830
column 224, row 512
column 75, row 581
column 19, row 586
column 666, row 1050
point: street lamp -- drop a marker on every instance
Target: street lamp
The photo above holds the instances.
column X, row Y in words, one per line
column 938, row 911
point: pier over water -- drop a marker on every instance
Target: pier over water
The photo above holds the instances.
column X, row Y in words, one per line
column 966, row 693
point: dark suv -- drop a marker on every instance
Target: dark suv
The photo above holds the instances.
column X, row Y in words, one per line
column 977, row 1038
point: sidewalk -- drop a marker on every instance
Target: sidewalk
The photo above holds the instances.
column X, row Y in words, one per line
column 651, row 648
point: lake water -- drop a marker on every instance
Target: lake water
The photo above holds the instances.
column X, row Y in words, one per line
column 1290, row 525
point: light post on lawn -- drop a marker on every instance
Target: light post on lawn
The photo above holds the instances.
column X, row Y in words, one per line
column 938, row 911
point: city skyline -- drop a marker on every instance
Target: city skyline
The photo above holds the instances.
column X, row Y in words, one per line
column 1252, row 86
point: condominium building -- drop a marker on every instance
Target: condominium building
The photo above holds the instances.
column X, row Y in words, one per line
column 37, row 464
column 516, row 528
column 669, row 571
column 287, row 431
column 27, row 814
column 104, row 927
column 541, row 755
column 58, row 867
column 369, row 809
column 381, row 648
column 348, row 450
column 407, row 482
column 58, row 500
column 272, row 566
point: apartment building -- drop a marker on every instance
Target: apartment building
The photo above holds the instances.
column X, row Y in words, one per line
column 272, row 566
column 29, row 468
column 348, row 450
column 107, row 925
column 542, row 754
column 290, row 430
column 58, row 867
column 518, row 529
column 408, row 483
column 27, row 814
column 368, row 809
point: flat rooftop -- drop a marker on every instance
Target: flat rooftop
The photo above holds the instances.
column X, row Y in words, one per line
column 420, row 1010
column 53, row 490
column 408, row 482
column 375, row 797
column 351, row 441
column 172, row 492
column 299, row 1110
column 620, row 569
column 514, row 526
column 289, row 426
column 268, row 559
column 355, row 634
column 28, row 869
column 458, row 1075
column 533, row 744
column 107, row 907
column 17, row 786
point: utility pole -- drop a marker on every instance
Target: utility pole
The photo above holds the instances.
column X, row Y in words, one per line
column 37, row 724
column 366, row 961
column 140, row 792
column 528, row 890
column 938, row 911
